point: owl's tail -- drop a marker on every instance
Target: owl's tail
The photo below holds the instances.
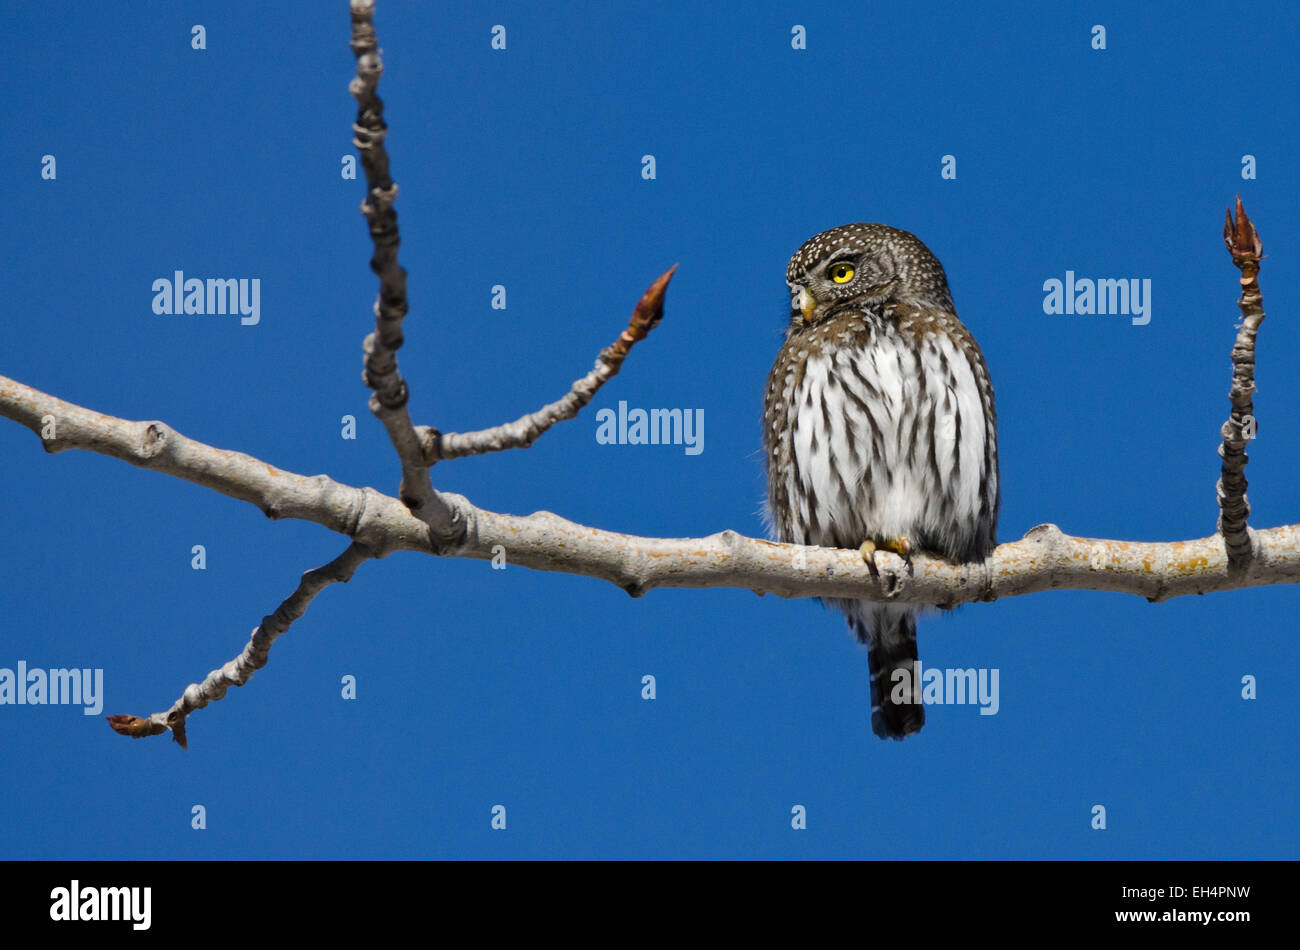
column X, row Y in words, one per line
column 890, row 635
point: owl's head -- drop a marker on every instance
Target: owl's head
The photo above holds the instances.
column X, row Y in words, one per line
column 862, row 265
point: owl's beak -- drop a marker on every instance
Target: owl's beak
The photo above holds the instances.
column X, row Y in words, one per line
column 806, row 303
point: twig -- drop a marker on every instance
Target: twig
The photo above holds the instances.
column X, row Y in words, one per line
column 525, row 430
column 1247, row 251
column 255, row 655
column 381, row 374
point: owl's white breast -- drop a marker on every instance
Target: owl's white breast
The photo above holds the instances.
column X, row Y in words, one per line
column 878, row 453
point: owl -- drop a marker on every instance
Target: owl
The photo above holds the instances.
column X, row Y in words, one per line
column 880, row 432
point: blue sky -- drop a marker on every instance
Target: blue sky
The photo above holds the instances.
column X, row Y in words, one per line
column 523, row 168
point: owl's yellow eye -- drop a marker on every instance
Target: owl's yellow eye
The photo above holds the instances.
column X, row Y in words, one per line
column 842, row 272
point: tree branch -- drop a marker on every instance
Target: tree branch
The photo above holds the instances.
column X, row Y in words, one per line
column 1247, row 251
column 360, row 513
column 1044, row 559
column 391, row 394
column 255, row 655
column 525, row 430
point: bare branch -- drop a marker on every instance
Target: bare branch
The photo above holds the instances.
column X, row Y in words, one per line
column 419, row 449
column 391, row 394
column 1044, row 559
column 1247, row 251
column 375, row 519
column 525, row 430
column 255, row 655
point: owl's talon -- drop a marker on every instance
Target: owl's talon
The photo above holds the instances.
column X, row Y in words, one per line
column 905, row 552
column 868, row 552
column 893, row 578
column 902, row 546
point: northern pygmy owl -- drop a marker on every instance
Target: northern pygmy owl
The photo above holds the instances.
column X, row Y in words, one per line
column 880, row 432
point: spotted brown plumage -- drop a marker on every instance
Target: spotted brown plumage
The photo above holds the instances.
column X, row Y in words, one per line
column 879, row 426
